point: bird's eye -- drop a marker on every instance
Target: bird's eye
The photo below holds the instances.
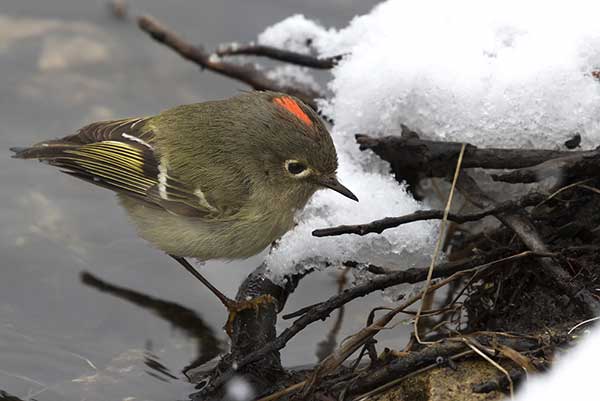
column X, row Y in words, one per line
column 296, row 168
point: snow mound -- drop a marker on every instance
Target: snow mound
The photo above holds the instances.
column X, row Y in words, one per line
column 295, row 33
column 499, row 73
column 379, row 195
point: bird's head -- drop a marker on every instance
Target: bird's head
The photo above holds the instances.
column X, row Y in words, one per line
column 296, row 151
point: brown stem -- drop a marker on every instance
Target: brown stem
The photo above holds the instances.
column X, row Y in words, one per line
column 305, row 60
column 412, row 158
column 246, row 73
column 584, row 164
column 378, row 226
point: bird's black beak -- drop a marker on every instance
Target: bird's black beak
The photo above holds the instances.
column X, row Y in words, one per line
column 333, row 183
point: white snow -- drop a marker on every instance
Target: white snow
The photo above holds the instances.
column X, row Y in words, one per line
column 496, row 73
column 379, row 195
column 293, row 75
column 508, row 73
column 292, row 34
column 574, row 377
column 239, row 389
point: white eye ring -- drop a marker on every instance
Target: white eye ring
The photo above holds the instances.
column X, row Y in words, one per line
column 291, row 164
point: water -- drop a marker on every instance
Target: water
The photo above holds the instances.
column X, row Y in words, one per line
column 129, row 327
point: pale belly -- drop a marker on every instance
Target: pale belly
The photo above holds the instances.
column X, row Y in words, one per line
column 187, row 237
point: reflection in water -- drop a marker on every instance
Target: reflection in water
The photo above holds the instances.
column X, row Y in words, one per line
column 64, row 64
column 328, row 345
column 4, row 396
column 153, row 363
column 179, row 316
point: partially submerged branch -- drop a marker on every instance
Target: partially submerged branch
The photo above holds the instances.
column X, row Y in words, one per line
column 253, row 330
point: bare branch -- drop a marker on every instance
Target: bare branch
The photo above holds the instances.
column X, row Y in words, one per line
column 378, row 226
column 323, row 309
column 412, row 158
column 253, row 329
column 584, row 164
column 305, row 60
column 444, row 350
column 499, row 383
column 246, row 73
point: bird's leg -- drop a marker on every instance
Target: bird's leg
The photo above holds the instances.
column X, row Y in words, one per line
column 233, row 306
column 228, row 302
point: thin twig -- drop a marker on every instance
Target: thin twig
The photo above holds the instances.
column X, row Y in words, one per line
column 323, row 309
column 448, row 347
column 305, row 60
column 493, row 363
column 582, row 164
column 246, row 73
column 393, row 383
column 524, row 228
column 553, row 194
column 438, row 245
column 590, row 188
column 378, row 226
column 283, row 392
column 354, row 342
column 500, row 383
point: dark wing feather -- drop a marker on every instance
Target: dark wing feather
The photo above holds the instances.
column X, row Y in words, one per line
column 129, row 129
column 119, row 155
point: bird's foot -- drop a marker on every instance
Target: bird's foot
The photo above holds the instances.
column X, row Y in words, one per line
column 235, row 307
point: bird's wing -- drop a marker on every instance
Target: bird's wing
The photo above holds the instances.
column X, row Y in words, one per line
column 120, row 155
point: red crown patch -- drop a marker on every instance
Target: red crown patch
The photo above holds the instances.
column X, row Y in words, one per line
column 290, row 105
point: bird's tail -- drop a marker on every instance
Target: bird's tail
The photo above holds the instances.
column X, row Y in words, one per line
column 48, row 150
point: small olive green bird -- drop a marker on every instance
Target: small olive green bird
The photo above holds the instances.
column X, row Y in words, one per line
column 214, row 180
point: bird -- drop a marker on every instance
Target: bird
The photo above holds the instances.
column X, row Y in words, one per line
column 221, row 179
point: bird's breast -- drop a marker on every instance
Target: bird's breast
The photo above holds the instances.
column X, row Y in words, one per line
column 205, row 239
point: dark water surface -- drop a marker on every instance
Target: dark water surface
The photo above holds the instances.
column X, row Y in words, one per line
column 127, row 328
